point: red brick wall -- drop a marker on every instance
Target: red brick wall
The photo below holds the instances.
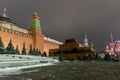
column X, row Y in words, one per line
column 38, row 39
column 17, row 38
column 49, row 45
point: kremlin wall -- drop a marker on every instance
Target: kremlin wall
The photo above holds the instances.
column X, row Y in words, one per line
column 19, row 36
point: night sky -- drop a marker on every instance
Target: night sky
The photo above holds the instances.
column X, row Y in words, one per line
column 61, row 19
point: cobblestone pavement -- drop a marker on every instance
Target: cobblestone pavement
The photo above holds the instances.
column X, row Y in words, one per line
column 75, row 70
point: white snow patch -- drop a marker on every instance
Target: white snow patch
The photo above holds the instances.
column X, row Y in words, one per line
column 12, row 64
column 17, row 70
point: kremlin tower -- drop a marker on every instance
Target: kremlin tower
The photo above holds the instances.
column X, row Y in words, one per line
column 34, row 37
column 36, row 32
column 85, row 40
column 85, row 44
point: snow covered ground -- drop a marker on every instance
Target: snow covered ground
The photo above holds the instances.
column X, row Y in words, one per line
column 12, row 64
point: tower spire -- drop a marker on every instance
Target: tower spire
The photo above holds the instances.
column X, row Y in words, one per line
column 35, row 31
column 85, row 40
column 35, row 22
column 4, row 13
column 85, row 35
column 111, row 37
column 111, row 44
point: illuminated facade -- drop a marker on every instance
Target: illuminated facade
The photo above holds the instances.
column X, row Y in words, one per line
column 34, row 36
column 113, row 49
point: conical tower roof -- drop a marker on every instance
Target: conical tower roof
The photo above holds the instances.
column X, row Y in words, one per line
column 85, row 35
column 85, row 40
column 111, row 38
column 35, row 21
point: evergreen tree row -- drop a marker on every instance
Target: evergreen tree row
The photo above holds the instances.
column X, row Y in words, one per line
column 34, row 51
column 11, row 50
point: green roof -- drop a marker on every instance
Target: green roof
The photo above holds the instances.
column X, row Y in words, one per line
column 85, row 35
column 35, row 22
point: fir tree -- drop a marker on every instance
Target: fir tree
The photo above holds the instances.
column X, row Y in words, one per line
column 10, row 48
column 33, row 52
column 30, row 51
column 23, row 49
column 37, row 52
column 61, row 56
column 1, row 47
column 17, row 50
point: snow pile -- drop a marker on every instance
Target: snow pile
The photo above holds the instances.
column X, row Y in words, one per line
column 10, row 64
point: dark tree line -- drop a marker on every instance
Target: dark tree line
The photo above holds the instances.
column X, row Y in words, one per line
column 34, row 51
column 11, row 50
column 2, row 50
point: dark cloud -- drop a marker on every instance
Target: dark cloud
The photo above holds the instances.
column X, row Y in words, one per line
column 61, row 19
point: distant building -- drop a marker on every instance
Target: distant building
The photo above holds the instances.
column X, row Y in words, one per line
column 9, row 30
column 113, row 49
column 71, row 50
column 85, row 40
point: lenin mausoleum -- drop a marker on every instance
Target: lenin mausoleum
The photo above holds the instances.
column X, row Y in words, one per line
column 19, row 36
